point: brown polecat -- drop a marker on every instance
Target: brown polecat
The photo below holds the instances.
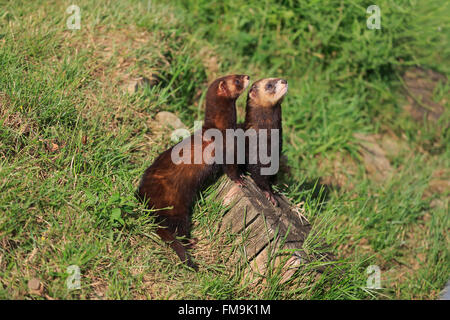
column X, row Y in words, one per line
column 171, row 186
column 263, row 111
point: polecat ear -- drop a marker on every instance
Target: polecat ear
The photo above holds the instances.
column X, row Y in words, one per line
column 252, row 93
column 222, row 88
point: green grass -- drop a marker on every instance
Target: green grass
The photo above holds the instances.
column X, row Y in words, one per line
column 73, row 144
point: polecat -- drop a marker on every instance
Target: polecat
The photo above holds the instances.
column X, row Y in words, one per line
column 263, row 111
column 166, row 184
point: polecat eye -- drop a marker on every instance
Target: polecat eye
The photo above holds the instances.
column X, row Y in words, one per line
column 237, row 82
column 269, row 86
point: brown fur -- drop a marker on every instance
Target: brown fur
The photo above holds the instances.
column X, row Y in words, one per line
column 264, row 112
column 168, row 185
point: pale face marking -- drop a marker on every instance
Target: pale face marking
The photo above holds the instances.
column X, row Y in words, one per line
column 268, row 92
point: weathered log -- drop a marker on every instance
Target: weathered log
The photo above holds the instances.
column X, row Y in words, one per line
column 270, row 232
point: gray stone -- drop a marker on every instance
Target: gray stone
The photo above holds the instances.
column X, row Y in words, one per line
column 168, row 119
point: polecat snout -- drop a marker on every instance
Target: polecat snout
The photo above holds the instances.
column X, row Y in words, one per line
column 263, row 113
column 171, row 187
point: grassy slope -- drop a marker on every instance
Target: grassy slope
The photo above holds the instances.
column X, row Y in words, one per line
column 67, row 204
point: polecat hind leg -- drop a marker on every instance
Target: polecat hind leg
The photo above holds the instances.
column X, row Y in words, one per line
column 263, row 182
column 177, row 246
column 172, row 227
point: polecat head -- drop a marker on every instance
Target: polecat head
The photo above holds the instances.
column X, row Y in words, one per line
column 230, row 86
column 267, row 92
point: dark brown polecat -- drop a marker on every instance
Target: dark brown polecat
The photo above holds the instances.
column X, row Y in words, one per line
column 171, row 187
column 263, row 113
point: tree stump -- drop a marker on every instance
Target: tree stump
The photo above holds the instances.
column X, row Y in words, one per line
column 270, row 232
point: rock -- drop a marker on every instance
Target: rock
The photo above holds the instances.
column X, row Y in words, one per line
column 168, row 119
column 35, row 286
column 166, row 128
